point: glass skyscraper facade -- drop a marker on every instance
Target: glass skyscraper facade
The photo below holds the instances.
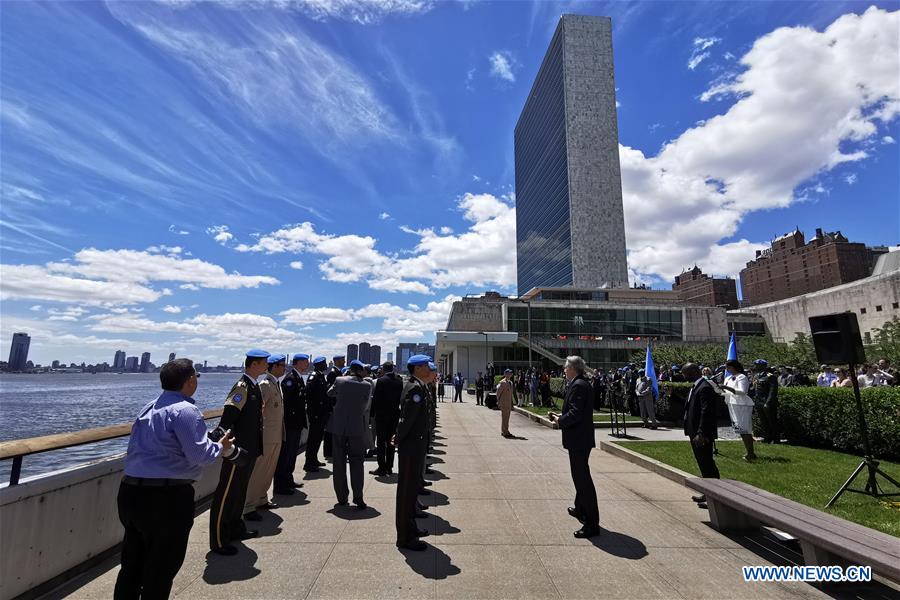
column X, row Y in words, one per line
column 570, row 227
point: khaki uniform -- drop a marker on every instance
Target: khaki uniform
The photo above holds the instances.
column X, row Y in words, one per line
column 505, row 401
column 273, row 435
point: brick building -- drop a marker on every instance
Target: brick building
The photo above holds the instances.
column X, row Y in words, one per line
column 793, row 266
column 695, row 287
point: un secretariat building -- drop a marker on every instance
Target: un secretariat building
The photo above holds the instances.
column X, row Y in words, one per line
column 569, row 219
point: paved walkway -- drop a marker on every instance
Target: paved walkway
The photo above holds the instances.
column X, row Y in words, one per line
column 500, row 530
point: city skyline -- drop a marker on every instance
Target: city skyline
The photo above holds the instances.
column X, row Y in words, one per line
column 196, row 214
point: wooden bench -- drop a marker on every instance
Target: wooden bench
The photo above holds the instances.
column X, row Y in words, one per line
column 824, row 539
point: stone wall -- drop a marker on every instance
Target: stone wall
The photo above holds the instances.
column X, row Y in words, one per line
column 476, row 315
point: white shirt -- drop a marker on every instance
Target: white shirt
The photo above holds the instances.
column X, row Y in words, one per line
column 739, row 396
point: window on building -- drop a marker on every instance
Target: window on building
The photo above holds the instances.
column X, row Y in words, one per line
column 867, row 337
column 895, row 305
column 862, row 311
column 877, row 308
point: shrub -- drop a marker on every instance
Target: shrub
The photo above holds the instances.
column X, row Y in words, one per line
column 827, row 418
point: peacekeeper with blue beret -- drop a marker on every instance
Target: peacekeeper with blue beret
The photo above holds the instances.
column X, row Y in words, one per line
column 273, row 436
column 411, row 441
column 293, row 390
column 167, row 452
column 242, row 414
column 317, row 405
column 338, row 368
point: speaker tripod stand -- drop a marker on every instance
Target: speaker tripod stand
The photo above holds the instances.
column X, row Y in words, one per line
column 869, row 464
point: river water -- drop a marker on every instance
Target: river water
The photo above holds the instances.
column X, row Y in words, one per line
column 33, row 405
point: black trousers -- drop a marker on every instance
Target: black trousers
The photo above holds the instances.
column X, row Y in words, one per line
column 411, row 462
column 705, row 460
column 769, row 415
column 327, row 448
column 313, row 442
column 384, row 430
column 287, row 459
column 479, row 396
column 457, row 393
column 226, row 521
column 585, row 493
column 157, row 523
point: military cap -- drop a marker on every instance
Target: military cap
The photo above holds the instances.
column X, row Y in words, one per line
column 417, row 360
column 319, row 359
column 257, row 353
column 301, row 356
column 761, row 362
column 275, row 358
column 507, row 370
column 357, row 363
column 432, row 366
column 337, row 357
column 345, row 370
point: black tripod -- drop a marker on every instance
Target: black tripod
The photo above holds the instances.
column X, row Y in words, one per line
column 617, row 424
column 868, row 462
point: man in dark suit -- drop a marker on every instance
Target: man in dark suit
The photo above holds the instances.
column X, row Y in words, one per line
column 386, row 412
column 700, row 424
column 577, row 424
column 293, row 390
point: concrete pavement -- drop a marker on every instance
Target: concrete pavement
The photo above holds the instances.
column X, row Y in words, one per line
column 499, row 530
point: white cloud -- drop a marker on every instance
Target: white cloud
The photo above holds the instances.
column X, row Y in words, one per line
column 172, row 309
column 502, row 65
column 888, row 140
column 682, row 203
column 178, row 231
column 220, row 233
column 384, row 216
column 851, row 178
column 109, row 277
column 699, row 52
column 296, row 264
column 364, row 12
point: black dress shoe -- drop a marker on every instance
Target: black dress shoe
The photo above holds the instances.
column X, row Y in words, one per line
column 249, row 534
column 284, row 492
column 310, row 469
column 422, row 533
column 271, row 505
column 587, row 532
column 227, row 550
column 417, row 545
column 421, row 515
column 429, row 471
column 361, row 505
column 253, row 516
column 702, row 505
column 698, row 499
column 424, row 492
column 320, row 463
column 574, row 513
column 342, row 503
column 377, row 473
column 427, row 484
column 296, row 485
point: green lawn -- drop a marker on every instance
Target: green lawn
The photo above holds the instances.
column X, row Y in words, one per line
column 806, row 475
column 599, row 417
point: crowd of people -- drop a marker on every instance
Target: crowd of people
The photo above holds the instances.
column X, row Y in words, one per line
column 349, row 411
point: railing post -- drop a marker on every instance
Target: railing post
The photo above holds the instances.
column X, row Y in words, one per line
column 15, row 471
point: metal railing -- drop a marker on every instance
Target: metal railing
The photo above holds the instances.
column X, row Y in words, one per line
column 16, row 450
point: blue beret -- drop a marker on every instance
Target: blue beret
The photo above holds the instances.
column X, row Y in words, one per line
column 432, row 366
column 257, row 353
column 418, row 359
column 344, row 370
column 275, row 358
column 319, row 359
column 301, row 356
column 357, row 363
column 337, row 357
column 761, row 362
column 508, row 371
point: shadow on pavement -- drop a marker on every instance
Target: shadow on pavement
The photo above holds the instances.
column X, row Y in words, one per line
column 435, row 499
column 431, row 563
column 441, row 526
column 298, row 498
column 225, row 569
column 619, row 544
column 352, row 513
column 322, row 473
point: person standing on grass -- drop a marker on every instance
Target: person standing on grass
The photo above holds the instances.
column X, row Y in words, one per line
column 700, row 424
column 740, row 404
column 505, row 401
column 577, row 425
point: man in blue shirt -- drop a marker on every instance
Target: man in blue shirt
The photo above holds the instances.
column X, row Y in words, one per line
column 167, row 451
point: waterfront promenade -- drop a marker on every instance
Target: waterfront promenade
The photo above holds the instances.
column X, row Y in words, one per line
column 499, row 530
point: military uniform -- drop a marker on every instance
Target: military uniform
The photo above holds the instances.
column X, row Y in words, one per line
column 293, row 390
column 386, row 412
column 317, row 403
column 273, row 436
column 764, row 391
column 242, row 414
column 479, row 390
column 412, row 444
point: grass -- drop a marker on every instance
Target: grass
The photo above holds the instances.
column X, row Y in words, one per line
column 809, row 476
column 599, row 417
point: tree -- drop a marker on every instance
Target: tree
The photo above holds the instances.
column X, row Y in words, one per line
column 887, row 342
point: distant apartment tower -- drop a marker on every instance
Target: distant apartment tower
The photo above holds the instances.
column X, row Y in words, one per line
column 55, row 364
column 365, row 349
column 18, row 351
column 793, row 266
column 145, row 362
column 171, row 356
column 352, row 352
column 570, row 225
column 374, row 355
column 131, row 364
column 695, row 287
column 390, row 357
column 119, row 361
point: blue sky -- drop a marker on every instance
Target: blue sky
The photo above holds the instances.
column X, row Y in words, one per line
column 201, row 178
